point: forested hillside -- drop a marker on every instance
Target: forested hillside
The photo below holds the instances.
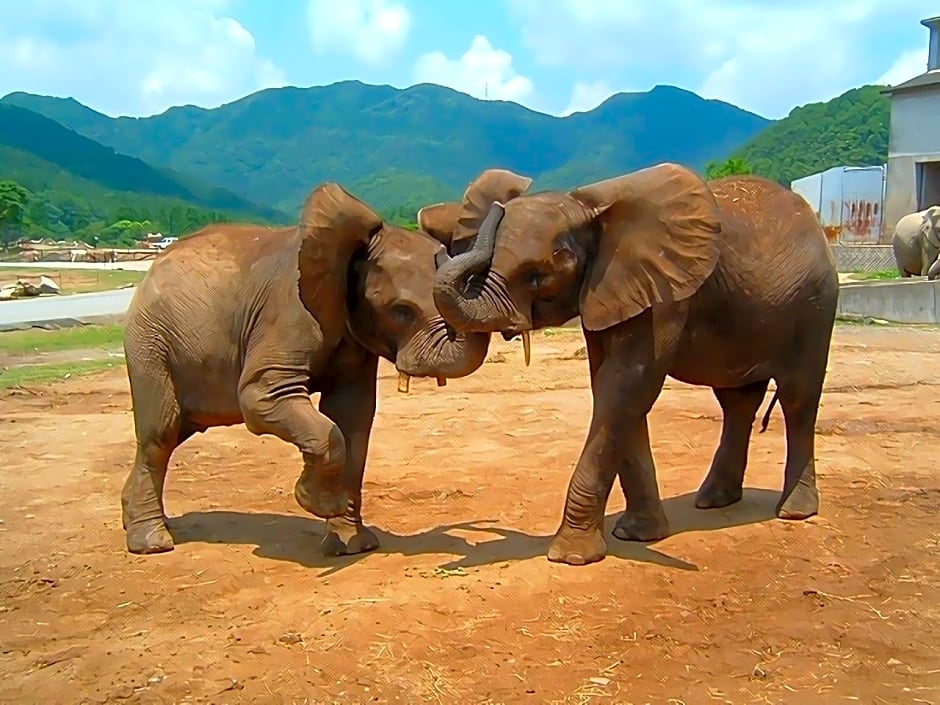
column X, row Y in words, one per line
column 405, row 148
column 850, row 130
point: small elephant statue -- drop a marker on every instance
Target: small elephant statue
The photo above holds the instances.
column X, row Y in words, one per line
column 240, row 323
column 916, row 244
column 726, row 284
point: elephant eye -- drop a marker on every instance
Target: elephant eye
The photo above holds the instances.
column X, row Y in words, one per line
column 403, row 313
column 537, row 279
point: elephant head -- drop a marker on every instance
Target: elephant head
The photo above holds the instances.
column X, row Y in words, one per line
column 931, row 233
column 606, row 252
column 390, row 307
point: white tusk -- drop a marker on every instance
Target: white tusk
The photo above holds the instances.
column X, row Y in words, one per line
column 526, row 347
column 404, row 382
column 441, row 381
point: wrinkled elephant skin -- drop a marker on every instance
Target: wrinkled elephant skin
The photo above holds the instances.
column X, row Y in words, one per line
column 916, row 244
column 241, row 324
column 726, row 284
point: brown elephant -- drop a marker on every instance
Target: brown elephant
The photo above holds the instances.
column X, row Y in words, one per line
column 725, row 284
column 241, row 323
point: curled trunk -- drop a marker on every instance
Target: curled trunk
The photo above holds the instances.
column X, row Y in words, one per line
column 466, row 305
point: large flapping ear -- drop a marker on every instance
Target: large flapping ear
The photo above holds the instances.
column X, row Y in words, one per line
column 932, row 225
column 439, row 221
column 658, row 230
column 334, row 225
column 491, row 185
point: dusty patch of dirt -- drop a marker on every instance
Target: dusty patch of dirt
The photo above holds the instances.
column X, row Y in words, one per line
column 465, row 486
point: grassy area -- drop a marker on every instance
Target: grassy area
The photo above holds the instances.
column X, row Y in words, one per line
column 36, row 340
column 38, row 374
column 884, row 274
column 75, row 281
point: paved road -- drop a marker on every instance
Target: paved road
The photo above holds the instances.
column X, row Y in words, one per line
column 139, row 266
column 63, row 309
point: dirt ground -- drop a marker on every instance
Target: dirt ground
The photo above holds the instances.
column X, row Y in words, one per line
column 465, row 486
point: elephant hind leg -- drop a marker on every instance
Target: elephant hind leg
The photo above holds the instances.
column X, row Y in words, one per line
column 799, row 399
column 159, row 430
column 724, row 484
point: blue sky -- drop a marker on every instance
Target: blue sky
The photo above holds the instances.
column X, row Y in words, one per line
column 129, row 57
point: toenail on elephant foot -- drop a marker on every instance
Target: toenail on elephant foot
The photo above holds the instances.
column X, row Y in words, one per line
column 716, row 497
column 641, row 527
column 145, row 538
column 577, row 547
column 346, row 538
column 802, row 503
column 326, row 504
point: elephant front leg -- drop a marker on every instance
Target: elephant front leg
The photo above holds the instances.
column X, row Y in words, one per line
column 352, row 407
column 644, row 518
column 285, row 411
column 580, row 540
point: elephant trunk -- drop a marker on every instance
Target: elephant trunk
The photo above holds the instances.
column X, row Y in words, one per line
column 438, row 351
column 934, row 271
column 473, row 306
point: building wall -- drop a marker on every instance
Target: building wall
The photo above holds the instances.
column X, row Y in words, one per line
column 914, row 137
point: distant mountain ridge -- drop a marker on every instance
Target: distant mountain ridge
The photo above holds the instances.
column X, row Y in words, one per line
column 40, row 152
column 406, row 148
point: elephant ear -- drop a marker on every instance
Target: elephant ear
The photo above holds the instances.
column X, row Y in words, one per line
column 491, row 185
column 657, row 242
column 334, row 226
column 932, row 225
column 440, row 221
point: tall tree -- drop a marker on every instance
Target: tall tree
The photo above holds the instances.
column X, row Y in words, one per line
column 14, row 208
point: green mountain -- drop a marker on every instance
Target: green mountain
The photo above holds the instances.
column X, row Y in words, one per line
column 40, row 153
column 401, row 149
column 849, row 130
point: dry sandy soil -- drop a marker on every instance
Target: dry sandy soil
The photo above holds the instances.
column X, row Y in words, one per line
column 465, row 486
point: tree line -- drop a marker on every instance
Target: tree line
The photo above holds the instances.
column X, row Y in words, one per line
column 125, row 219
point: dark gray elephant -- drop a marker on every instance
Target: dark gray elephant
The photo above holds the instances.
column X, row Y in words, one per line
column 916, row 244
column 726, row 284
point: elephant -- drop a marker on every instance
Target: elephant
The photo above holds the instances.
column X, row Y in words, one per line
column 240, row 323
column 671, row 276
column 916, row 244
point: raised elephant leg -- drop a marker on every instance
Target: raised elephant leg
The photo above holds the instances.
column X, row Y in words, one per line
column 352, row 408
column 281, row 407
column 158, row 427
column 724, row 484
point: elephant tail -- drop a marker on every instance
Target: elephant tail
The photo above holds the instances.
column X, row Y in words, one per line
column 770, row 407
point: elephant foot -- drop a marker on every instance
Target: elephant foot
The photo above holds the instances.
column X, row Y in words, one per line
column 802, row 503
column 632, row 526
column 715, row 496
column 318, row 500
column 577, row 546
column 148, row 537
column 345, row 538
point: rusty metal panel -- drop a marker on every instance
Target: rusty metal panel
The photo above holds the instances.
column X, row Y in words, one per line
column 862, row 204
column 851, row 201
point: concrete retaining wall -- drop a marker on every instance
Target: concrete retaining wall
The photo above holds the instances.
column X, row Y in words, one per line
column 899, row 301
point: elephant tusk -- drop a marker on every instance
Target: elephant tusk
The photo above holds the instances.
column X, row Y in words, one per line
column 404, row 382
column 526, row 347
column 441, row 381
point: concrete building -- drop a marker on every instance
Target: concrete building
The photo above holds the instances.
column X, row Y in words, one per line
column 913, row 176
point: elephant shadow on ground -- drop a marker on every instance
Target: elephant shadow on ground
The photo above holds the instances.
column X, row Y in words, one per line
column 296, row 538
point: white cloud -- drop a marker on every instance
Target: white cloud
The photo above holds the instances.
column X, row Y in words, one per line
column 764, row 56
column 130, row 58
column 587, row 96
column 906, row 66
column 370, row 30
column 482, row 71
